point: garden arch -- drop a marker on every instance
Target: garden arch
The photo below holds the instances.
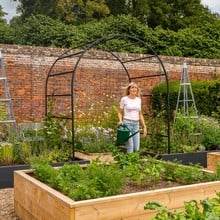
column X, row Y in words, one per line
column 70, row 80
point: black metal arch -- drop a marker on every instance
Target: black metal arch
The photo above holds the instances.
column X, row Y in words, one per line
column 79, row 53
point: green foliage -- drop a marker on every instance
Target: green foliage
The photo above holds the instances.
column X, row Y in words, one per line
column 43, row 31
column 210, row 129
column 93, row 139
column 25, row 152
column 185, row 131
column 190, row 135
column 50, row 142
column 203, row 210
column 97, row 180
column 101, row 179
column 2, row 14
column 206, row 94
column 189, row 175
column 156, row 140
column 174, row 15
column 69, row 12
column 96, row 133
column 44, row 172
column 7, row 155
column 120, row 24
column 7, row 34
column 169, row 15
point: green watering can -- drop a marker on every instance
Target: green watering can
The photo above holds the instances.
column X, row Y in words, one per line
column 123, row 134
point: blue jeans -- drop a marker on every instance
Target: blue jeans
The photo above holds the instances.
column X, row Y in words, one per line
column 133, row 144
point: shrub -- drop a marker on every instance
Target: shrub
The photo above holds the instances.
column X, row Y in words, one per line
column 206, row 94
column 210, row 129
column 7, row 155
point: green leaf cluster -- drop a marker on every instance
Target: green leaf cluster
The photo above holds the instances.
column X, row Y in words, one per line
column 106, row 179
column 204, row 210
column 97, row 180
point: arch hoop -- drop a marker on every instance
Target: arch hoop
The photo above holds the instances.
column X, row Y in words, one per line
column 82, row 75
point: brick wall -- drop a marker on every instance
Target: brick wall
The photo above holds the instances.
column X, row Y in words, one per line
column 99, row 78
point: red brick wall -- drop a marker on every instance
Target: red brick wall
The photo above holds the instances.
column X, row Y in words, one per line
column 99, row 78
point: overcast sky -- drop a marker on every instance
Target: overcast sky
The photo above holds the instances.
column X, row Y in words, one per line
column 9, row 6
column 214, row 5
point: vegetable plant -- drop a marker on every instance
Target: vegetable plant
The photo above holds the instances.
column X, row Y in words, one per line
column 203, row 210
column 126, row 172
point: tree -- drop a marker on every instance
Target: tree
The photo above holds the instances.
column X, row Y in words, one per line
column 175, row 14
column 117, row 7
column 67, row 11
column 2, row 14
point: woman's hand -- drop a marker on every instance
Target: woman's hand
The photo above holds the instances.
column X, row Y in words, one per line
column 145, row 132
column 120, row 123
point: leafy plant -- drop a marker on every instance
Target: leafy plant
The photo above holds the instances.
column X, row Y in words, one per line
column 97, row 180
column 7, row 155
column 184, row 131
column 203, row 210
column 156, row 140
column 102, row 179
column 189, row 175
column 210, row 129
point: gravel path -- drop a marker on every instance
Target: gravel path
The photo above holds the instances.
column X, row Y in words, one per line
column 7, row 204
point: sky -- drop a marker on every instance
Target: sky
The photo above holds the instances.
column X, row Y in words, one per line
column 214, row 5
column 9, row 6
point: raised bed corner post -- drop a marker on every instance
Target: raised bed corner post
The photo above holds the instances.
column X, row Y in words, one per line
column 78, row 53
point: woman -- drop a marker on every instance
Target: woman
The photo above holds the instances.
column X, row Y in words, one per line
column 131, row 115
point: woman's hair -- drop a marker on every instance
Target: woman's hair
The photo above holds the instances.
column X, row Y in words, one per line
column 129, row 86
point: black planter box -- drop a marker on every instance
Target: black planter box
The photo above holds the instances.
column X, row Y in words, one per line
column 7, row 172
column 185, row 158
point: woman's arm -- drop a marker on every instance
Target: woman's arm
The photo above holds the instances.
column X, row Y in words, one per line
column 143, row 123
column 120, row 113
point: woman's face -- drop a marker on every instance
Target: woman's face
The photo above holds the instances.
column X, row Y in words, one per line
column 133, row 90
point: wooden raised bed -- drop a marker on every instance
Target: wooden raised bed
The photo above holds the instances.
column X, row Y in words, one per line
column 213, row 161
column 35, row 200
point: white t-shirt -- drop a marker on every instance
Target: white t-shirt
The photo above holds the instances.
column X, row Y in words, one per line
column 131, row 107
